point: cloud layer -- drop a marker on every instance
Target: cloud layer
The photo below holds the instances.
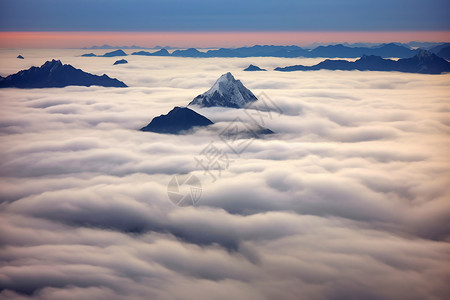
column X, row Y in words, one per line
column 348, row 200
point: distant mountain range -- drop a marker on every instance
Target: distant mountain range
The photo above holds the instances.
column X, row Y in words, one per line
column 108, row 54
column 333, row 51
column 424, row 62
column 386, row 50
column 391, row 50
column 55, row 74
column 226, row 92
column 414, row 44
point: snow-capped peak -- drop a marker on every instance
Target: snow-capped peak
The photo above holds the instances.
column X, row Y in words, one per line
column 227, row 92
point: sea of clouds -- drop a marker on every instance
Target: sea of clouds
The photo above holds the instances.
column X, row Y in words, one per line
column 349, row 199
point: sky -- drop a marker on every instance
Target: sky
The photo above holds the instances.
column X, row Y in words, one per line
column 218, row 15
column 412, row 19
column 206, row 39
column 347, row 200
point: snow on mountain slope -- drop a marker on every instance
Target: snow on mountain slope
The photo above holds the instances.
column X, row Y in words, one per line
column 226, row 92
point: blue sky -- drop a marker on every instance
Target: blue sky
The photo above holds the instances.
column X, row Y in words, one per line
column 220, row 15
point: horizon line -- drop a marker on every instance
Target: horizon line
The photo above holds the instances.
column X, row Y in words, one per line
column 207, row 39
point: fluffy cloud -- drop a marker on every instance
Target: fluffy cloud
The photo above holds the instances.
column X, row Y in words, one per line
column 347, row 200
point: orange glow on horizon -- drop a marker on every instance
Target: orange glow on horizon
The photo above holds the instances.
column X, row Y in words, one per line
column 207, row 39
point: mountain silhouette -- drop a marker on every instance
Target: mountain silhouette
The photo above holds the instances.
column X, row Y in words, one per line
column 177, row 120
column 226, row 92
column 120, row 62
column 162, row 52
column 115, row 53
column 191, row 52
column 332, row 51
column 254, row 68
column 55, row 74
column 423, row 62
column 390, row 50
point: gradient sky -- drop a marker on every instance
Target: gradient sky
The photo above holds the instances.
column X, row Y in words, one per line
column 219, row 15
column 195, row 23
column 75, row 39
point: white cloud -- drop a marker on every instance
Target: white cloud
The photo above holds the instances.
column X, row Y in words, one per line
column 349, row 199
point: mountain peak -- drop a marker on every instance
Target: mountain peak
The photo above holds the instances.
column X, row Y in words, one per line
column 254, row 68
column 223, row 80
column 225, row 92
column 177, row 120
column 52, row 63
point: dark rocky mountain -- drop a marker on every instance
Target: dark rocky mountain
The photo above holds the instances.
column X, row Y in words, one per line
column 55, row 74
column 162, row 52
column 254, row 68
column 20, row 57
column 115, row 53
column 88, row 55
column 177, row 120
column 226, row 92
column 120, row 62
column 423, row 62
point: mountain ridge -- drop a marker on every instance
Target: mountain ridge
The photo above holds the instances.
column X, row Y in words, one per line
column 424, row 62
column 388, row 50
column 54, row 74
